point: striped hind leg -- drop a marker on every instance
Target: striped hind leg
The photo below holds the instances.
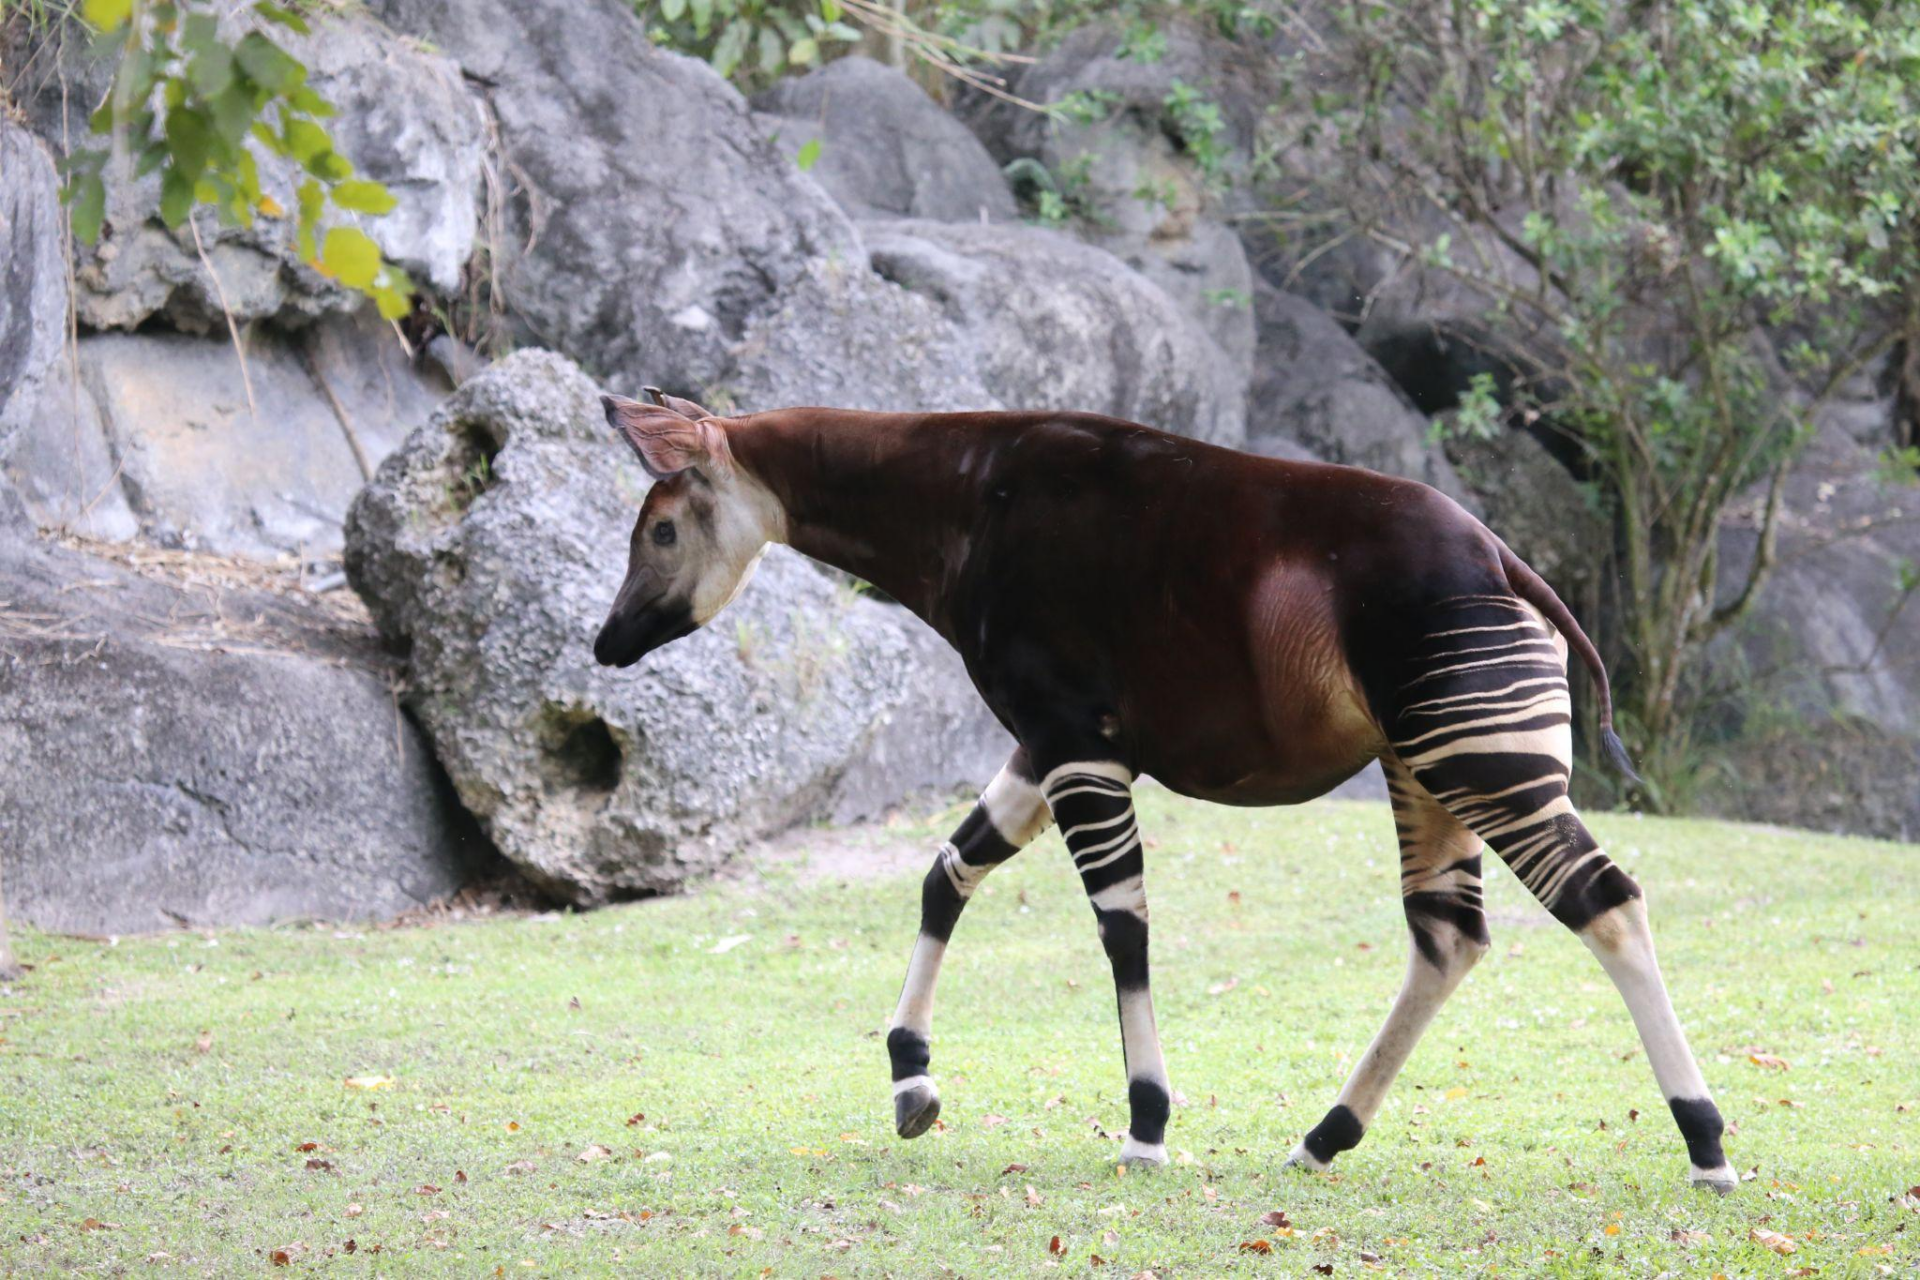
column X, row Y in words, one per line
column 1484, row 724
column 1010, row 814
column 1440, row 891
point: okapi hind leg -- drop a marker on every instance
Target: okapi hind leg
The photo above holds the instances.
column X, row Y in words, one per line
column 1010, row 813
column 1093, row 803
column 1447, row 935
column 1484, row 724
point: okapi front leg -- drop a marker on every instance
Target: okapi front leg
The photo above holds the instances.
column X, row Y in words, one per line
column 1440, row 891
column 1093, row 803
column 1010, row 813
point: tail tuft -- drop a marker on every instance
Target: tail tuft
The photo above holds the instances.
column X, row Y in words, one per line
column 1616, row 752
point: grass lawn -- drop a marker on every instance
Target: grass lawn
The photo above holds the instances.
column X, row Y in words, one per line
column 699, row 1086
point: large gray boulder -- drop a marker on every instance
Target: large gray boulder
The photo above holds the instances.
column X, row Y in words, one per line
column 402, row 115
column 196, row 752
column 887, row 150
column 1147, row 139
column 1313, row 386
column 490, row 547
column 33, row 278
column 647, row 218
column 1056, row 324
column 158, row 437
column 1833, row 632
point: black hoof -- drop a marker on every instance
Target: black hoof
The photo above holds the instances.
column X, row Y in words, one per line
column 915, row 1111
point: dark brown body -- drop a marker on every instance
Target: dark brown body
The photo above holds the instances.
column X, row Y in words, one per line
column 1242, row 629
column 1211, row 618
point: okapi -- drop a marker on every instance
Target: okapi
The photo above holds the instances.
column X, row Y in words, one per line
column 1245, row 630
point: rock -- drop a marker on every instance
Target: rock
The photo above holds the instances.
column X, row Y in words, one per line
column 647, row 217
column 850, row 339
column 604, row 784
column 887, row 150
column 1056, row 324
column 1832, row 631
column 1838, row 774
column 1147, row 142
column 403, row 117
column 33, row 278
column 1313, row 385
column 158, row 440
column 1537, row 508
column 194, row 752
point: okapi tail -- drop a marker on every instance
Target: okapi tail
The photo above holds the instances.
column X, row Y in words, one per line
column 1533, row 588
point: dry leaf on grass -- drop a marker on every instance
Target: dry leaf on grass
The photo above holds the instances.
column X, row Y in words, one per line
column 1769, row 1062
column 595, row 1152
column 369, row 1082
column 1256, row 1246
column 1773, row 1240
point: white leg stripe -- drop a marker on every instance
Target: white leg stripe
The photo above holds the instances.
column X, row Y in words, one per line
column 912, row 1082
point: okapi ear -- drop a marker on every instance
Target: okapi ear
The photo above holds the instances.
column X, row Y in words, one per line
column 666, row 442
column 685, row 408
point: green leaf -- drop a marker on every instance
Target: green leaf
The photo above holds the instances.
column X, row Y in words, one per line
column 809, row 155
column 830, row 10
column 233, row 113
column 303, row 98
column 393, row 304
column 672, row 9
column 304, row 139
column 106, row 15
column 267, row 64
column 772, row 51
column 189, row 141
column 351, row 257
column 727, row 50
column 176, row 197
column 803, row 52
column 285, row 17
column 363, row 196
column 87, row 202
column 331, row 166
column 310, row 198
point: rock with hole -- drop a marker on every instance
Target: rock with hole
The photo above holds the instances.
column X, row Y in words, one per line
column 490, row 546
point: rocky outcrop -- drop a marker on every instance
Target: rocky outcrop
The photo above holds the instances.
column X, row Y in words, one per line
column 490, row 547
column 1836, row 627
column 1148, row 133
column 402, row 116
column 166, row 437
column 886, row 149
column 646, row 219
column 1313, row 386
column 33, row 279
column 1055, row 324
column 182, row 748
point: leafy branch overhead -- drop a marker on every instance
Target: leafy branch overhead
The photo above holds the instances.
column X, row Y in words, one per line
column 191, row 102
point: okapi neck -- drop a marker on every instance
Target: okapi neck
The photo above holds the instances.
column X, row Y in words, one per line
column 885, row 497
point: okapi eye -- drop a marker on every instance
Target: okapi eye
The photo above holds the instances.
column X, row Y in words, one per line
column 663, row 534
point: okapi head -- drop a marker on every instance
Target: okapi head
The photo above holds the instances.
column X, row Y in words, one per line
column 701, row 530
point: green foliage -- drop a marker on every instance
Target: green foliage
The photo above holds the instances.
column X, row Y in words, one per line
column 751, row 41
column 808, row 155
column 1479, row 415
column 1721, row 198
column 1057, row 199
column 1198, row 126
column 190, row 103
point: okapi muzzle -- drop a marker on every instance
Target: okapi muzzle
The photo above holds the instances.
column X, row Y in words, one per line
column 645, row 616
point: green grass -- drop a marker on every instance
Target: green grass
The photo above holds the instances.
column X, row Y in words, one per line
column 766, row 1145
